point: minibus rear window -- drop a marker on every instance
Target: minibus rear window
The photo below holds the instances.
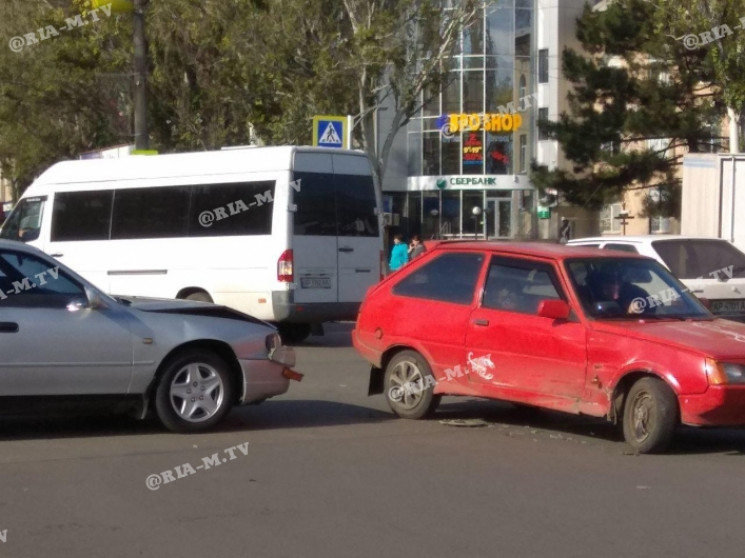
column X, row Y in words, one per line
column 335, row 204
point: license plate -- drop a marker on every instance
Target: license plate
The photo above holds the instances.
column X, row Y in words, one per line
column 728, row 306
column 315, row 282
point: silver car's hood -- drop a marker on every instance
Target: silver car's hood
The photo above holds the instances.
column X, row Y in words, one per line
column 187, row 307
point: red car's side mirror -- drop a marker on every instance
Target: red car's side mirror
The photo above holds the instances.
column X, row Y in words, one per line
column 553, row 309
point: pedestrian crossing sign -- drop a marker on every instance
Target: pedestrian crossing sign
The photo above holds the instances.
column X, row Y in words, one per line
column 330, row 131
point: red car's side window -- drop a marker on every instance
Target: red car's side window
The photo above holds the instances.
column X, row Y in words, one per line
column 519, row 286
column 451, row 277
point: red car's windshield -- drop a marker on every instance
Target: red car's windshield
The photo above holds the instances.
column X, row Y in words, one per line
column 630, row 288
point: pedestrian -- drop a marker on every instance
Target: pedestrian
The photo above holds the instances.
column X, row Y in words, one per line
column 565, row 231
column 416, row 248
column 399, row 254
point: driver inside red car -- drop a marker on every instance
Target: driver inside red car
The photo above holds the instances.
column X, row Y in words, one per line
column 608, row 287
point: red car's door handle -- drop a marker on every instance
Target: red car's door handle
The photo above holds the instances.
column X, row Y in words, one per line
column 481, row 322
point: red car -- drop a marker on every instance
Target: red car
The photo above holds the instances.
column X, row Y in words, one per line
column 572, row 329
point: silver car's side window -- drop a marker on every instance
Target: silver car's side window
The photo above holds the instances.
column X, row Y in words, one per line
column 26, row 280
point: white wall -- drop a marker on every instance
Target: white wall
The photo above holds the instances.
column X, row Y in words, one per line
column 556, row 29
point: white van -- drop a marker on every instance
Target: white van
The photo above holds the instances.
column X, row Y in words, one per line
column 711, row 268
column 288, row 234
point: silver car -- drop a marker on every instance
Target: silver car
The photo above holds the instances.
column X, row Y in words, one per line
column 63, row 342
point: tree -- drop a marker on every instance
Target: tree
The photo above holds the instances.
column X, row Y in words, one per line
column 220, row 71
column 402, row 51
column 715, row 28
column 633, row 83
column 54, row 103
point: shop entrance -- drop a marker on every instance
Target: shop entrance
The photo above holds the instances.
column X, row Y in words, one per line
column 498, row 218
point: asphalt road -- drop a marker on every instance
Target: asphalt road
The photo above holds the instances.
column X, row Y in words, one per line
column 329, row 472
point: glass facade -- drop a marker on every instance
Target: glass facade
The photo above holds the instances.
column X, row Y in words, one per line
column 479, row 124
column 491, row 76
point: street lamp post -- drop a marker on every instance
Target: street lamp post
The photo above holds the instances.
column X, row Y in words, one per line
column 476, row 213
column 434, row 213
column 140, row 71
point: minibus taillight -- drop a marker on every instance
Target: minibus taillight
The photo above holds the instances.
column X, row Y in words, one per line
column 284, row 267
column 382, row 265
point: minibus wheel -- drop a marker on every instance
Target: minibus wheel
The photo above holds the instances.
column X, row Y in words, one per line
column 293, row 333
column 199, row 296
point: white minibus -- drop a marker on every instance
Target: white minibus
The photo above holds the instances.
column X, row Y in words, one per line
column 291, row 235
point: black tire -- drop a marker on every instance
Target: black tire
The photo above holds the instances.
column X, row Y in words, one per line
column 200, row 296
column 650, row 414
column 293, row 333
column 409, row 386
column 202, row 374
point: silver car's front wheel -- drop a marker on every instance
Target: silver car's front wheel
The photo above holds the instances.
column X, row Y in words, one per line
column 194, row 392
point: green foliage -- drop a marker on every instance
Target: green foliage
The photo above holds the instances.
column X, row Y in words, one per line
column 53, row 103
column 220, row 73
column 636, row 81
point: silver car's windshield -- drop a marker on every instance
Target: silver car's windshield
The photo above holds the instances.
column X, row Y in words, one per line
column 631, row 288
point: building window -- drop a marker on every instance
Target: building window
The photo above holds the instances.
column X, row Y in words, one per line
column 659, row 225
column 431, row 154
column 499, row 154
column 523, row 91
column 608, row 221
column 543, row 65
column 611, row 147
column 542, row 116
column 659, row 146
column 451, row 213
column 523, row 152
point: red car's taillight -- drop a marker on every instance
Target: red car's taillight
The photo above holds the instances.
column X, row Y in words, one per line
column 284, row 267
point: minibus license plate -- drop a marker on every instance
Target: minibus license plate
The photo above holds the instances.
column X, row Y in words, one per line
column 728, row 306
column 315, row 282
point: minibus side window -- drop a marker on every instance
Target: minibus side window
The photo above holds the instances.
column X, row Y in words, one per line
column 24, row 222
column 81, row 215
column 150, row 213
column 234, row 209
